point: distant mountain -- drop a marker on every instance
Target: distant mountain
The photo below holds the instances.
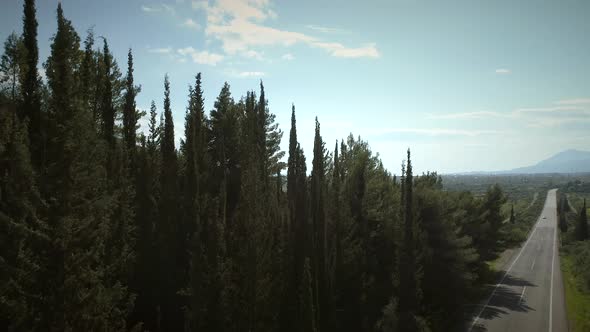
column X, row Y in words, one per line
column 569, row 161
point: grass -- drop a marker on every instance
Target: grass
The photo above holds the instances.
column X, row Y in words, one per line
column 577, row 303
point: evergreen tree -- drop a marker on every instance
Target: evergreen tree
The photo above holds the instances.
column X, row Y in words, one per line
column 581, row 231
column 447, row 256
column 194, row 150
column 307, row 314
column 292, row 166
column 290, row 304
column 107, row 108
column 10, row 68
column 31, row 94
column 167, row 228
column 88, row 72
column 408, row 288
column 269, row 138
column 79, row 294
column 21, row 229
column 320, row 282
column 512, row 217
column 144, row 283
column 129, row 111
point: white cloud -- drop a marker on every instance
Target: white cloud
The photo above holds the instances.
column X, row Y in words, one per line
column 503, row 71
column 200, row 57
column 565, row 112
column 238, row 25
column 576, row 101
column 553, row 109
column 190, row 23
column 162, row 50
column 323, row 29
column 469, row 115
column 339, row 50
column 436, row 131
column 254, row 55
column 200, row 4
column 158, row 8
column 251, row 74
column 288, row 57
column 555, row 122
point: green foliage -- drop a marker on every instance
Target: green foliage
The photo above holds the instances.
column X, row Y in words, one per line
column 581, row 229
column 11, row 68
column 577, row 300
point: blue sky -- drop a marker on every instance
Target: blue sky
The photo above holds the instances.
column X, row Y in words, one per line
column 467, row 84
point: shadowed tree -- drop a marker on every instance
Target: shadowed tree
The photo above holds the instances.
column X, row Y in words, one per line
column 31, row 94
column 581, row 231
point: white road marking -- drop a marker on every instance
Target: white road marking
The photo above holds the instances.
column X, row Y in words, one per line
column 522, row 294
column 533, row 265
column 552, row 268
column 504, row 277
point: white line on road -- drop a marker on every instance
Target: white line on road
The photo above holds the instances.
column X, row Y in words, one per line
column 504, row 277
column 551, row 288
column 522, row 294
column 533, row 265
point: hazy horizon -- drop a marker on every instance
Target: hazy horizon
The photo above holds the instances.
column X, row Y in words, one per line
column 467, row 86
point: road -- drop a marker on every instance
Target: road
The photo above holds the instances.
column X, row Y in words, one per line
column 530, row 295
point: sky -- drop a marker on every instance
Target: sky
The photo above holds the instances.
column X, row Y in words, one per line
column 467, row 85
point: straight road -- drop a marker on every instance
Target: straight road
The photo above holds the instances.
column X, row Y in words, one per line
column 530, row 295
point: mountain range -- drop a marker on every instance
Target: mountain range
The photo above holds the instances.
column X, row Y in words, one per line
column 568, row 161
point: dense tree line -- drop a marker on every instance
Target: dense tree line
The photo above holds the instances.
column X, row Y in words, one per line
column 105, row 228
column 575, row 247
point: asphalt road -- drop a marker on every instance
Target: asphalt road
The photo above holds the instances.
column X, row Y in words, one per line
column 530, row 296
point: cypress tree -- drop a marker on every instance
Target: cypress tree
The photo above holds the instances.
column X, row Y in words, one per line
column 145, row 282
column 31, row 94
column 408, row 297
column 307, row 309
column 294, row 246
column 512, row 217
column 319, row 229
column 107, row 107
column 129, row 112
column 194, row 168
column 88, row 72
column 270, row 136
column 582, row 225
column 292, row 166
column 167, row 229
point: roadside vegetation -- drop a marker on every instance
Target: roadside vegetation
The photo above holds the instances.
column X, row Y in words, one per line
column 575, row 252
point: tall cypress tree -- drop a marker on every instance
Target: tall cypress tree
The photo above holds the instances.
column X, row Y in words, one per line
column 581, row 230
column 129, row 111
column 31, row 94
column 408, row 298
column 195, row 206
column 144, row 284
column 319, row 230
column 107, row 107
column 88, row 72
column 290, row 305
column 167, row 229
